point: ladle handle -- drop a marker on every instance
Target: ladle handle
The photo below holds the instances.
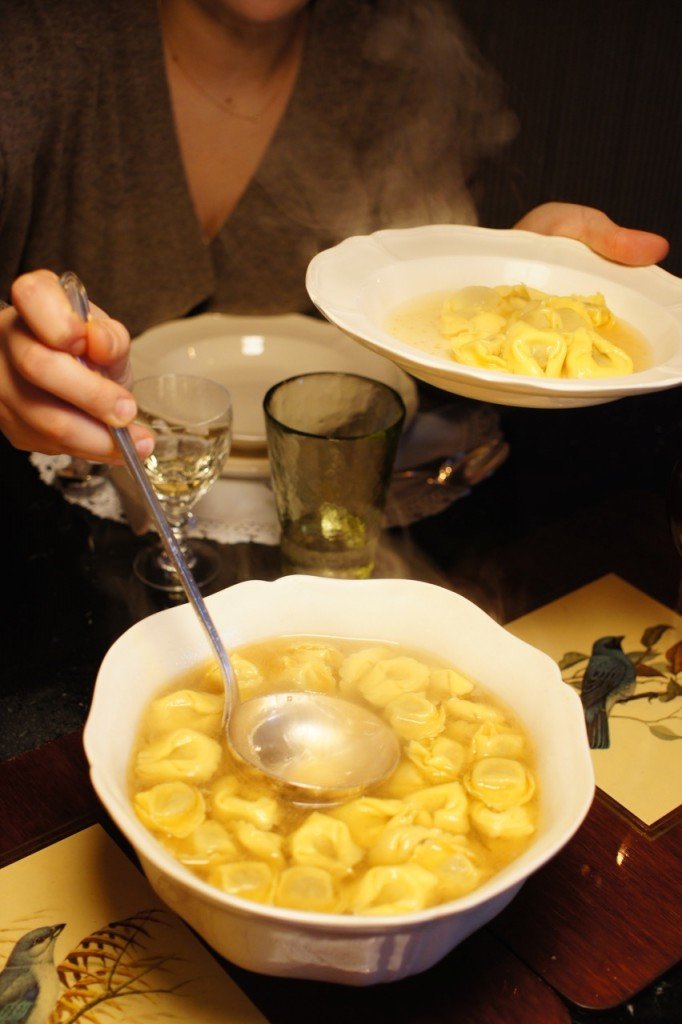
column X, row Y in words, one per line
column 77, row 295
column 132, row 460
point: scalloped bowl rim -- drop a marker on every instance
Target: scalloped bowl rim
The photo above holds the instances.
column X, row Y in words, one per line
column 343, row 281
column 118, row 805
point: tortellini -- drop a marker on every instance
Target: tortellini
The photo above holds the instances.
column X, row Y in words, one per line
column 248, row 879
column 405, row 779
column 226, row 805
column 461, row 802
column 367, row 817
column 414, row 717
column 495, row 740
column 472, row 710
column 500, row 783
column 446, row 682
column 182, row 754
column 307, row 888
column 309, row 666
column 325, row 842
column 458, row 871
column 357, row 665
column 190, row 709
column 513, row 823
column 527, row 331
column 266, row 846
column 438, row 761
column 396, row 889
column 247, row 675
column 171, row 807
column 392, row 678
column 444, row 806
column 209, row 843
column 397, row 843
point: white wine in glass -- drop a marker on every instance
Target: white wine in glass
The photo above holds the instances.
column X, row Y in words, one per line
column 191, row 418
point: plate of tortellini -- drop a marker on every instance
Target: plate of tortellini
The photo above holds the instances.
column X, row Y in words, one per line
column 505, row 316
column 494, row 775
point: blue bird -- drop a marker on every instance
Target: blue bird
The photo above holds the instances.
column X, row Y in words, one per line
column 29, row 984
column 609, row 677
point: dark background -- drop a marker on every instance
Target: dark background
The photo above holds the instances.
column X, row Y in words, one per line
column 597, row 88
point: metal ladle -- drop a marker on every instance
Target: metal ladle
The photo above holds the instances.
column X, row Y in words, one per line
column 322, row 749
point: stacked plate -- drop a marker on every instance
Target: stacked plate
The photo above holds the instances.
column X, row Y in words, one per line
column 250, row 354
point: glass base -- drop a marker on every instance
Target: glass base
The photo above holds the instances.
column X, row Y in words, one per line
column 151, row 567
column 335, row 563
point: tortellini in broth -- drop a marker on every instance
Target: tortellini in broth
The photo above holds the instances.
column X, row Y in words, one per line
column 461, row 803
column 518, row 329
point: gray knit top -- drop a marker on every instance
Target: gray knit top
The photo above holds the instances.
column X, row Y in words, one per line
column 389, row 115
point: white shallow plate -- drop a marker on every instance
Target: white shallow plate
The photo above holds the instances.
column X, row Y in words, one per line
column 242, row 463
column 359, row 282
column 249, row 354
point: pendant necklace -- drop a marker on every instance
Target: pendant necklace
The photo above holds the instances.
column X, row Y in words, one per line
column 226, row 104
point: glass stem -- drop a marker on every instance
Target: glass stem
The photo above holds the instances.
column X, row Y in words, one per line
column 177, row 520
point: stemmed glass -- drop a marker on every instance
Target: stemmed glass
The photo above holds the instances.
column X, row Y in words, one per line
column 191, row 418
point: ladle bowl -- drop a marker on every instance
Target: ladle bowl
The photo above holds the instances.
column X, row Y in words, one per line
column 323, row 749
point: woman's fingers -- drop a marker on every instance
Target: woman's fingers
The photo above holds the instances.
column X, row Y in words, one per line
column 34, row 420
column 74, row 432
column 42, row 303
column 109, row 346
column 596, row 229
column 62, row 376
column 628, row 245
column 64, row 382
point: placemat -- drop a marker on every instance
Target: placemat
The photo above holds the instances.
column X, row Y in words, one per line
column 481, row 978
column 602, row 920
column 85, row 938
column 622, row 651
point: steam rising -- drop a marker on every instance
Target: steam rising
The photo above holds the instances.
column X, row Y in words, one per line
column 404, row 108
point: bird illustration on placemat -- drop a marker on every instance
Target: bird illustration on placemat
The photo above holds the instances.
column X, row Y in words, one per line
column 609, row 677
column 29, row 984
column 97, row 980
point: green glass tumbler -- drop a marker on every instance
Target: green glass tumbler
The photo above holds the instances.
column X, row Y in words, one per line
column 332, row 439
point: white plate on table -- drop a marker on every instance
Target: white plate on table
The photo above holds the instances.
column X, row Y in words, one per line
column 358, row 283
column 250, row 354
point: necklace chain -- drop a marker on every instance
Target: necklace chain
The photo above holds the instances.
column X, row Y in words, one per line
column 224, row 104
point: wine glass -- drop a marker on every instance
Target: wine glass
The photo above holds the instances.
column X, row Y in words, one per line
column 191, row 418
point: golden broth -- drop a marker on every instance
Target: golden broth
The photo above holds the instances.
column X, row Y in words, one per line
column 417, row 322
column 461, row 804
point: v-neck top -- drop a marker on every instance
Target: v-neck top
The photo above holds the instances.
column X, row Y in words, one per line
column 390, row 112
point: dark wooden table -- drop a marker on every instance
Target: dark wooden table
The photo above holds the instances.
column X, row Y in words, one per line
column 596, row 935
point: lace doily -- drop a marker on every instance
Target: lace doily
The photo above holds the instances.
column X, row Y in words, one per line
column 232, row 512
column 453, row 446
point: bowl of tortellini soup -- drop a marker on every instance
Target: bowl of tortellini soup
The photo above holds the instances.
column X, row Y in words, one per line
column 505, row 316
column 494, row 774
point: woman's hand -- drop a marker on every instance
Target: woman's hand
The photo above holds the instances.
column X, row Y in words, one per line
column 49, row 400
column 594, row 228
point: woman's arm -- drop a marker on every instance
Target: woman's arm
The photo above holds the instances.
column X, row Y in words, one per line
column 49, row 400
column 594, row 228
